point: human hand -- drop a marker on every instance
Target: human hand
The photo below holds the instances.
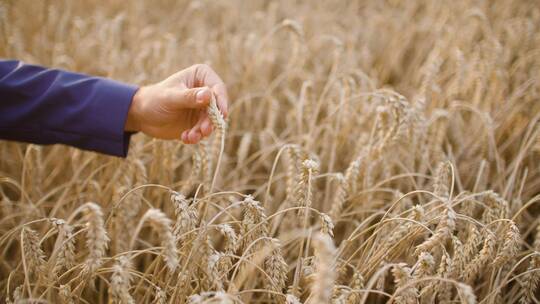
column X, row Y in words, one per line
column 175, row 108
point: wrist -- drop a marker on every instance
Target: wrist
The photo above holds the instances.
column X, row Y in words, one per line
column 133, row 117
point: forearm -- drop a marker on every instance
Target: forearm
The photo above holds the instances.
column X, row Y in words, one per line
column 48, row 106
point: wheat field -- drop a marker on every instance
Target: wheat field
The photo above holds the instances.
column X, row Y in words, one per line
column 375, row 152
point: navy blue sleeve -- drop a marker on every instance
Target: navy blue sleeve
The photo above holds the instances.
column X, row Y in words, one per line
column 49, row 106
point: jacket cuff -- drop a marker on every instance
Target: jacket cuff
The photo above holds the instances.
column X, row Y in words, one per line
column 111, row 102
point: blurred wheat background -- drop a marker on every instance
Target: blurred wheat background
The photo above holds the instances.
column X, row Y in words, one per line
column 376, row 151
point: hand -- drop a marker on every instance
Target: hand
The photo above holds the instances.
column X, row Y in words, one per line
column 176, row 107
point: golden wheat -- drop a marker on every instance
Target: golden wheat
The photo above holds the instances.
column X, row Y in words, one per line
column 374, row 151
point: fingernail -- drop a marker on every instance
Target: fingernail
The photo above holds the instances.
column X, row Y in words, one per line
column 203, row 95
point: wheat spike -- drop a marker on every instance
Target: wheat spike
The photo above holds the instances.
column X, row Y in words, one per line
column 254, row 224
column 402, row 276
column 441, row 185
column 186, row 218
column 66, row 295
column 531, row 279
column 219, row 123
column 470, row 249
column 424, row 266
column 231, row 240
column 304, row 189
column 32, row 252
column 323, row 285
column 347, row 186
column 327, row 225
column 356, row 284
column 120, row 281
column 480, row 260
column 64, row 247
column 160, row 296
column 163, row 226
column 277, row 269
column 291, row 299
column 510, row 247
column 443, row 232
column 466, row 293
column 97, row 239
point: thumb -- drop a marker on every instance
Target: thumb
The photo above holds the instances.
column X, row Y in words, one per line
column 190, row 98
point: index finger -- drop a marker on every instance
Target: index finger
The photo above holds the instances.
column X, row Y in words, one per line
column 206, row 76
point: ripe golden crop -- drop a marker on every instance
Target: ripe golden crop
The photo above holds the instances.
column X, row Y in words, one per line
column 375, row 152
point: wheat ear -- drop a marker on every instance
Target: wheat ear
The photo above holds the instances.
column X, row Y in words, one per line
column 510, row 247
column 219, row 123
column 402, row 276
column 187, row 217
column 97, row 239
column 277, row 268
column 531, row 280
column 120, row 281
column 321, row 291
column 32, row 254
column 162, row 225
column 63, row 255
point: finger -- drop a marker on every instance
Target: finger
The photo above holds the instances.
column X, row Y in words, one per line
column 189, row 98
column 204, row 75
column 220, row 90
column 184, row 137
column 206, row 126
column 198, row 125
column 194, row 136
